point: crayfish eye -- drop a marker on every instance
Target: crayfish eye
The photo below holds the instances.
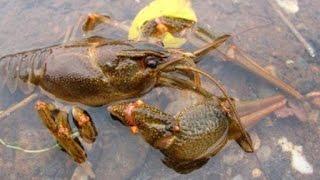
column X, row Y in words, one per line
column 151, row 62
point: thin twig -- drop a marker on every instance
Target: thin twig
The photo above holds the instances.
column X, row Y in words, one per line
column 298, row 35
column 17, row 106
column 33, row 151
column 28, row 150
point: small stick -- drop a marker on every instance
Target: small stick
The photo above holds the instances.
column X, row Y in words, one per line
column 17, row 106
column 298, row 35
column 33, row 151
column 28, row 150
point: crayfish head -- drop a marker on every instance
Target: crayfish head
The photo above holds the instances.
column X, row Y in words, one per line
column 144, row 65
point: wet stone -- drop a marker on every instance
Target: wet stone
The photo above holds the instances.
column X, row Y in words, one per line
column 256, row 173
column 238, row 177
column 264, row 153
column 255, row 140
column 126, row 151
column 233, row 157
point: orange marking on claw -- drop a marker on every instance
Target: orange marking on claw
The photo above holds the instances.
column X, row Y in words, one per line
column 128, row 114
column 129, row 118
column 83, row 119
column 40, row 105
column 134, row 129
column 62, row 131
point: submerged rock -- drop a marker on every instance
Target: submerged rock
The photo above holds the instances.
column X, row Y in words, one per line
column 290, row 6
column 298, row 160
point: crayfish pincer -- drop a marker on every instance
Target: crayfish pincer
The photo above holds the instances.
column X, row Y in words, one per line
column 189, row 138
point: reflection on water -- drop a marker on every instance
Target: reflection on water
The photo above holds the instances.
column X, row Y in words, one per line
column 280, row 142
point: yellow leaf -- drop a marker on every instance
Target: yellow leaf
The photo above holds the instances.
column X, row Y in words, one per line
column 158, row 8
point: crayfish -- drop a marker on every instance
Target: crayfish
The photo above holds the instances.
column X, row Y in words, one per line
column 97, row 71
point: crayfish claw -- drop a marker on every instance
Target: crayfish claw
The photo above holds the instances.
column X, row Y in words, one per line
column 57, row 122
column 85, row 125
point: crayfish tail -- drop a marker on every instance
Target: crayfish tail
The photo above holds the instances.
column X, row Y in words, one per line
column 17, row 70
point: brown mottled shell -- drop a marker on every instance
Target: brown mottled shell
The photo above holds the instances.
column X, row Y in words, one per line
column 204, row 128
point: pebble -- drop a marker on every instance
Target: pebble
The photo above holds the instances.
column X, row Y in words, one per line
column 238, row 177
column 233, row 157
column 264, row 153
column 256, row 173
column 290, row 6
column 83, row 171
column 256, row 140
column 236, row 1
column 289, row 61
column 229, row 171
column 298, row 160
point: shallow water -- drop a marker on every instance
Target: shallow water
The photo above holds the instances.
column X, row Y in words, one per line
column 118, row 154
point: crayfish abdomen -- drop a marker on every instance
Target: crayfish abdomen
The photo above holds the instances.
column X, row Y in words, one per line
column 19, row 70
